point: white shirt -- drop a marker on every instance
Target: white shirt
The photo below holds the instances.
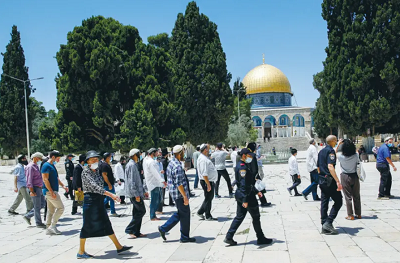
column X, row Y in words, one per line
column 119, row 172
column 233, row 158
column 293, row 167
column 312, row 158
column 220, row 158
column 206, row 168
column 152, row 174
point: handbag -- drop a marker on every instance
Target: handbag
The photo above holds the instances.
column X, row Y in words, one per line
column 79, row 196
column 260, row 185
column 361, row 172
column 119, row 189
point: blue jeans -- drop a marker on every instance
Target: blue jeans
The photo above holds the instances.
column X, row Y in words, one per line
column 155, row 195
column 196, row 180
column 182, row 216
column 313, row 186
column 109, row 199
column 38, row 203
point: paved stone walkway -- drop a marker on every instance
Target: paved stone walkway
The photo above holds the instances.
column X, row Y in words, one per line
column 293, row 222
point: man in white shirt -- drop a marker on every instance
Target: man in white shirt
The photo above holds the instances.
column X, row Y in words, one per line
column 234, row 156
column 220, row 157
column 154, row 181
column 294, row 173
column 312, row 158
column 208, row 175
column 119, row 174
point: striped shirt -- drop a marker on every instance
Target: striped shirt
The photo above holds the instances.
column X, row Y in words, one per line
column 176, row 178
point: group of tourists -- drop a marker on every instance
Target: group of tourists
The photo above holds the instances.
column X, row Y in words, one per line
column 321, row 167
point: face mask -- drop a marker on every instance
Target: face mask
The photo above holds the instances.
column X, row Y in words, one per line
column 39, row 163
column 248, row 160
column 94, row 166
column 24, row 162
column 85, row 164
column 73, row 159
column 54, row 163
column 154, row 158
column 390, row 144
column 141, row 157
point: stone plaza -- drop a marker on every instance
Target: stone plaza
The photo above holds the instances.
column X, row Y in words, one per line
column 293, row 222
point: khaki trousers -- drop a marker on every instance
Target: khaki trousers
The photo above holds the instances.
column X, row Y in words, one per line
column 55, row 208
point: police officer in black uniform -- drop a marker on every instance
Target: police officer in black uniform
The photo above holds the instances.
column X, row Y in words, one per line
column 246, row 200
column 77, row 181
column 254, row 170
column 330, row 186
column 69, row 169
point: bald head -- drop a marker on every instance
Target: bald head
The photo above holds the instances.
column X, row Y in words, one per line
column 331, row 140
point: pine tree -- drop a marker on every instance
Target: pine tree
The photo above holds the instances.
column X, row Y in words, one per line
column 12, row 101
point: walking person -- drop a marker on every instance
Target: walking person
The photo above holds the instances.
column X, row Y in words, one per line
column 312, row 159
column 109, row 181
column 51, row 183
column 120, row 175
column 246, row 200
column 34, row 182
column 136, row 191
column 77, row 184
column 208, row 175
column 164, row 162
column 255, row 172
column 384, row 159
column 220, row 157
column 363, row 154
column 20, row 186
column 154, row 181
column 69, row 170
column 259, row 163
column 350, row 182
column 330, row 186
column 294, row 173
column 95, row 218
column 195, row 157
column 177, row 186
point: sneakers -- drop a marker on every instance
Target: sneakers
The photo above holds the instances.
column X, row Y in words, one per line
column 189, row 240
column 217, row 196
column 231, row 195
column 201, row 216
column 305, row 197
column 265, row 241
column 328, row 229
column 317, row 199
column 230, row 242
column 124, row 249
column 84, row 256
column 12, row 212
column 390, row 196
column 290, row 191
column 162, row 233
column 383, row 198
column 41, row 226
column 52, row 230
column 27, row 220
column 297, row 194
column 115, row 215
column 211, row 219
column 265, row 204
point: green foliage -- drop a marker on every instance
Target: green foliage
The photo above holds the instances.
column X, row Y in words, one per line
column 200, row 77
column 239, row 133
column 238, row 87
column 12, row 104
column 360, row 82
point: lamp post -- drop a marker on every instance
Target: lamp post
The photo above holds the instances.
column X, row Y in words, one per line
column 239, row 90
column 26, row 109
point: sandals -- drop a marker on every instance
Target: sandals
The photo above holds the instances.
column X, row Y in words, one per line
column 358, row 216
column 134, row 237
column 350, row 217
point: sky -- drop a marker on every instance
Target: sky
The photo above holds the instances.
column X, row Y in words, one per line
column 291, row 34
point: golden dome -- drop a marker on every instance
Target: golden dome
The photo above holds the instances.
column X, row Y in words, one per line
column 266, row 78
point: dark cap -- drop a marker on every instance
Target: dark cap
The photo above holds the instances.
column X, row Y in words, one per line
column 92, row 154
column 70, row 155
column 164, row 151
column 82, row 158
column 106, row 155
column 20, row 157
column 252, row 146
column 55, row 154
column 219, row 145
column 244, row 151
column 151, row 150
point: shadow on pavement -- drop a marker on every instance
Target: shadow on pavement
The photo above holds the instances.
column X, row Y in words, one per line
column 350, row 230
column 370, row 217
column 112, row 254
column 70, row 232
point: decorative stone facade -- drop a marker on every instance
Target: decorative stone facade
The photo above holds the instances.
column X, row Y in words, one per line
column 271, row 99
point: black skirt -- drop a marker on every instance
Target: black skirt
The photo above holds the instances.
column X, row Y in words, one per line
column 95, row 218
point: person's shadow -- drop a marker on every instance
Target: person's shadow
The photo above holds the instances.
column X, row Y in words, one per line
column 350, row 230
column 112, row 254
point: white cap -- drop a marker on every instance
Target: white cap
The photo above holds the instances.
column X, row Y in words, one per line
column 388, row 138
column 203, row 146
column 133, row 152
column 177, row 148
column 37, row 155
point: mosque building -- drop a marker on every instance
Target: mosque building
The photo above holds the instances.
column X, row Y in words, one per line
column 272, row 111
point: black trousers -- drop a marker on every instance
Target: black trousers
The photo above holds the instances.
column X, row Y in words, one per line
column 241, row 214
column 296, row 182
column 208, row 197
column 74, row 207
column 328, row 192
column 386, row 179
column 70, row 190
column 223, row 173
column 138, row 211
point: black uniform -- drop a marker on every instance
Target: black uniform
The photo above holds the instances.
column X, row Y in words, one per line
column 245, row 193
column 165, row 163
column 254, row 171
column 69, row 169
column 76, row 183
column 328, row 185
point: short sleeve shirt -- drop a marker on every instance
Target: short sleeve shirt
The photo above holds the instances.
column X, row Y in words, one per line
column 195, row 157
column 19, row 172
column 220, row 158
column 325, row 157
column 106, row 168
column 383, row 153
column 48, row 168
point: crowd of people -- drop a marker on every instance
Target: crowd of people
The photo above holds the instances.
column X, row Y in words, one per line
column 144, row 175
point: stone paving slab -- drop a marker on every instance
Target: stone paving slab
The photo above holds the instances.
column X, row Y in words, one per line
column 293, row 222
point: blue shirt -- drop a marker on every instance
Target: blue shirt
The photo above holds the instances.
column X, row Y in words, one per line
column 258, row 154
column 176, row 177
column 53, row 177
column 19, row 172
column 383, row 153
column 325, row 157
